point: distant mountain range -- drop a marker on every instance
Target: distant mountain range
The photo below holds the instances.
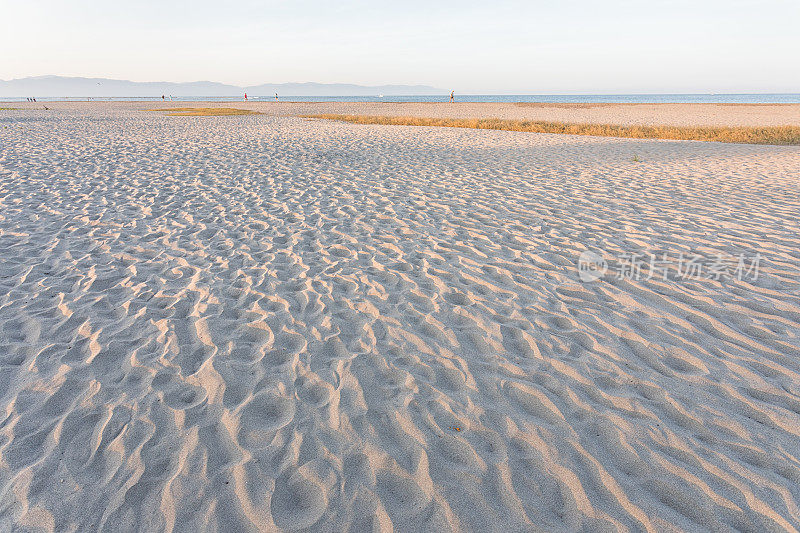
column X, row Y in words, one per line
column 55, row 86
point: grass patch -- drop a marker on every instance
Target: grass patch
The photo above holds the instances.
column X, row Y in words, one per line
column 778, row 135
column 592, row 105
column 8, row 108
column 206, row 112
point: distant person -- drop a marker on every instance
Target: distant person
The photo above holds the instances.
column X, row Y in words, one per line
column 162, row 98
column 276, row 97
column 245, row 97
column 452, row 96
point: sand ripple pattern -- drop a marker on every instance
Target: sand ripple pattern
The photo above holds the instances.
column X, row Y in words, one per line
column 267, row 323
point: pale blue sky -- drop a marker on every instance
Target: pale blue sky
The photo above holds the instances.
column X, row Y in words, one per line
column 615, row 46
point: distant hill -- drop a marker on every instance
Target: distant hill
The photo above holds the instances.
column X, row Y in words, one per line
column 55, row 86
column 340, row 89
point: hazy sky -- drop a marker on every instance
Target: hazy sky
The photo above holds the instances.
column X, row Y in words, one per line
column 616, row 46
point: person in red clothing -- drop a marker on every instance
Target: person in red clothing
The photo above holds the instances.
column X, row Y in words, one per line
column 245, row 97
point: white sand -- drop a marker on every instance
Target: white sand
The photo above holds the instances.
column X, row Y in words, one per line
column 269, row 323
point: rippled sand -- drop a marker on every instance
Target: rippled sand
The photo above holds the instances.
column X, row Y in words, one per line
column 265, row 322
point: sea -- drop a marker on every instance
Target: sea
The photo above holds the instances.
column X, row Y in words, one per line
column 792, row 98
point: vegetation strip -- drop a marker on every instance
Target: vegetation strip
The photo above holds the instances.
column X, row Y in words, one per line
column 777, row 135
column 206, row 112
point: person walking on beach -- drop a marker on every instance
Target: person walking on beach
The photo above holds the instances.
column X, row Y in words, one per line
column 245, row 97
column 276, row 97
column 162, row 97
column 452, row 96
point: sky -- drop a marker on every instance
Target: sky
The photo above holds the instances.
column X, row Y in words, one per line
column 487, row 47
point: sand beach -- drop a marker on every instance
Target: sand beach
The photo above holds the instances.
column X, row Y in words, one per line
column 273, row 323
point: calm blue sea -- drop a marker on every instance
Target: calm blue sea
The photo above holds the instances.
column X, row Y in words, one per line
column 537, row 98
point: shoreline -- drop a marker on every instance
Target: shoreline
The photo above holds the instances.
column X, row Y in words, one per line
column 640, row 98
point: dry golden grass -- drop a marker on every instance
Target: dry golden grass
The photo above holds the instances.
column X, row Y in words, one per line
column 8, row 108
column 780, row 135
column 590, row 105
column 206, row 112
